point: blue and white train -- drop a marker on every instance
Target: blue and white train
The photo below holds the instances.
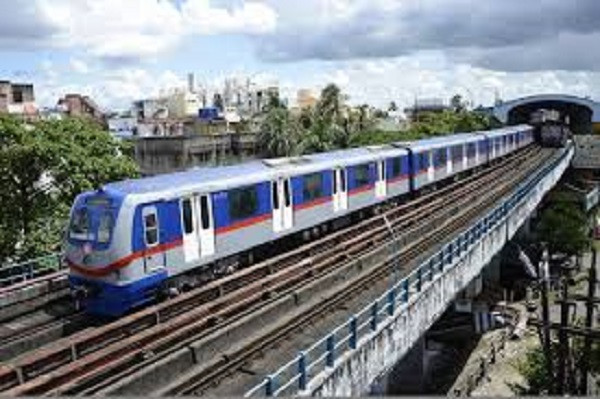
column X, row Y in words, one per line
column 132, row 239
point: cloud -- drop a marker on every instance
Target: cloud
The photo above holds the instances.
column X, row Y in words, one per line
column 530, row 32
column 121, row 32
column 25, row 24
column 79, row 66
column 433, row 75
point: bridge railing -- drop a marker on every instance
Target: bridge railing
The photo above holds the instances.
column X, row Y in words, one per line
column 294, row 376
column 18, row 272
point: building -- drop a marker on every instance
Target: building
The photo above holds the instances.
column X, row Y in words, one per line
column 425, row 106
column 17, row 98
column 151, row 108
column 78, row 105
column 306, row 99
column 124, row 125
column 183, row 103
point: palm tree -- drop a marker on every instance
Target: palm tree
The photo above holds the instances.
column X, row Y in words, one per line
column 279, row 133
column 330, row 104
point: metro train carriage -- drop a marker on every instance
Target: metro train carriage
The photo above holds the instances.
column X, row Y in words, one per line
column 438, row 158
column 130, row 241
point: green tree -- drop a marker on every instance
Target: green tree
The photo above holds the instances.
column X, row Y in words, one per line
column 279, row 133
column 43, row 166
column 563, row 227
column 533, row 368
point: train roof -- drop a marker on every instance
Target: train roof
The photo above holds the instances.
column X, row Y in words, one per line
column 506, row 130
column 210, row 179
column 440, row 141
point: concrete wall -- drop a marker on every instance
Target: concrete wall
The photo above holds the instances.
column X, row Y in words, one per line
column 157, row 155
column 355, row 371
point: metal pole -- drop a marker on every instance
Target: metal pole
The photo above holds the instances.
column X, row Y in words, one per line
column 546, row 316
column 587, row 345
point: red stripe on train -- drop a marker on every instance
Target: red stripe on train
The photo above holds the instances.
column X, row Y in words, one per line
column 123, row 262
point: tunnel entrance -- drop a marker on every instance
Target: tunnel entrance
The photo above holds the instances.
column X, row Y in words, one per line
column 576, row 116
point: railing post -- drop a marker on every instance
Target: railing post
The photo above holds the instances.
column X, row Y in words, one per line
column 406, row 287
column 392, row 301
column 431, row 268
column 374, row 316
column 302, row 371
column 330, row 350
column 419, row 279
column 353, row 332
column 269, row 388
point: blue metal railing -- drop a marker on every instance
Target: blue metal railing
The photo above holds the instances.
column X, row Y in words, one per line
column 17, row 272
column 295, row 375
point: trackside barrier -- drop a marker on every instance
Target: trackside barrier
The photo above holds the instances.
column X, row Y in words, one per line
column 293, row 377
column 29, row 269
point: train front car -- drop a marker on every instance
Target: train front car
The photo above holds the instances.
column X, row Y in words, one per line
column 98, row 253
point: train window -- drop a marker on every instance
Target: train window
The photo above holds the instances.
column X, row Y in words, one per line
column 243, row 203
column 396, row 166
column 204, row 215
column 313, row 186
column 275, row 195
column 441, row 157
column 151, row 227
column 471, row 150
column 361, row 175
column 457, row 152
column 105, row 227
column 80, row 225
column 186, row 212
column 287, row 193
column 343, row 180
column 423, row 158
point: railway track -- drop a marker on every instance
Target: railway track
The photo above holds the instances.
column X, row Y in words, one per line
column 33, row 337
column 30, row 295
column 196, row 382
column 35, row 330
column 85, row 362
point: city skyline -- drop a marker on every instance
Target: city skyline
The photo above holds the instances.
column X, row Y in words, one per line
column 376, row 51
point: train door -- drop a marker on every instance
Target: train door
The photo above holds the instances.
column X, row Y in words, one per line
column 431, row 168
column 340, row 190
column 152, row 261
column 281, row 197
column 381, row 184
column 205, row 224
column 191, row 245
column 465, row 155
column 198, row 227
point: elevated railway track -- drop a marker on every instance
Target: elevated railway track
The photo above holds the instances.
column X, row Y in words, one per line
column 93, row 360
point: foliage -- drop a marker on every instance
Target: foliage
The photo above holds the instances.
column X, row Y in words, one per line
column 330, row 124
column 43, row 166
column 533, row 369
column 279, row 133
column 563, row 226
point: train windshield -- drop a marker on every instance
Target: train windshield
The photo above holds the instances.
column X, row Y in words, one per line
column 93, row 222
column 80, row 225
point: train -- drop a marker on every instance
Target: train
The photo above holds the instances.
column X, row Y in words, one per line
column 551, row 130
column 131, row 242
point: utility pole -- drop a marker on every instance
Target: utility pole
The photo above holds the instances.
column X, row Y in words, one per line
column 563, row 338
column 545, row 274
column 587, row 345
